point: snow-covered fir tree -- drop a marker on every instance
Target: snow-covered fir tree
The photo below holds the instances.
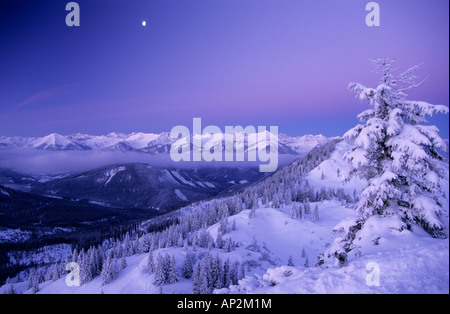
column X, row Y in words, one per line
column 31, row 278
column 295, row 211
column 216, row 273
column 48, row 274
column 55, row 273
column 242, row 272
column 123, row 263
column 228, row 245
column 301, row 211
column 307, row 206
column 204, row 284
column 207, row 272
column 150, row 263
column 234, row 273
column 223, row 227
column 160, row 271
column 252, row 213
column 397, row 152
column 290, row 261
column 226, row 279
column 86, row 274
column 172, row 274
column 196, row 278
column 219, row 240
column 316, row 214
column 109, row 270
column 188, row 266
column 180, row 241
column 306, row 262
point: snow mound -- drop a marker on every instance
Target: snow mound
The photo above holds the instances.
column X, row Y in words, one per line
column 411, row 268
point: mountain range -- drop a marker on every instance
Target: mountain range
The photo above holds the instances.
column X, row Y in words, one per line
column 149, row 143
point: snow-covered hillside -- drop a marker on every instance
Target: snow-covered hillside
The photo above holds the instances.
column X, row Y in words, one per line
column 330, row 173
column 410, row 263
column 265, row 239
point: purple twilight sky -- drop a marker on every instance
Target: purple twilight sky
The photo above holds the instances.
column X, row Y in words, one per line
column 230, row 62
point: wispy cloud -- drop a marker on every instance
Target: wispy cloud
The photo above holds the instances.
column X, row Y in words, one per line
column 46, row 95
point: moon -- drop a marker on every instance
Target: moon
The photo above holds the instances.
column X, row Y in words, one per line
column 144, row 23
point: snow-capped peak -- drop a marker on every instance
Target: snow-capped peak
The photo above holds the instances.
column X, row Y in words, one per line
column 53, row 141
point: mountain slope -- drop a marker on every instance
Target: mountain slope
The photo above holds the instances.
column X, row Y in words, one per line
column 145, row 186
column 45, row 217
column 265, row 238
column 414, row 263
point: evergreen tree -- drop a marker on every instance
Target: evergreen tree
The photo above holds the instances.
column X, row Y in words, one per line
column 307, row 263
column 276, row 201
column 242, row 272
column 227, row 246
column 172, row 276
column 204, row 288
column 223, row 225
column 216, row 273
column 234, row 273
column 219, row 240
column 252, row 213
column 316, row 214
column 109, row 270
column 226, row 279
column 195, row 241
column 48, row 274
column 303, row 253
column 160, row 271
column 233, row 227
column 397, row 152
column 123, row 263
column 180, row 241
column 33, row 281
column 187, row 269
column 150, row 263
column 75, row 255
column 295, row 211
column 307, row 206
column 31, row 278
column 290, row 261
column 85, row 268
column 40, row 278
column 207, row 271
column 35, row 286
column 210, row 243
column 301, row 211
column 196, row 279
column 55, row 273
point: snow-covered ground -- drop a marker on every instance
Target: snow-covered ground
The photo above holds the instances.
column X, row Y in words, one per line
column 410, row 262
column 329, row 174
